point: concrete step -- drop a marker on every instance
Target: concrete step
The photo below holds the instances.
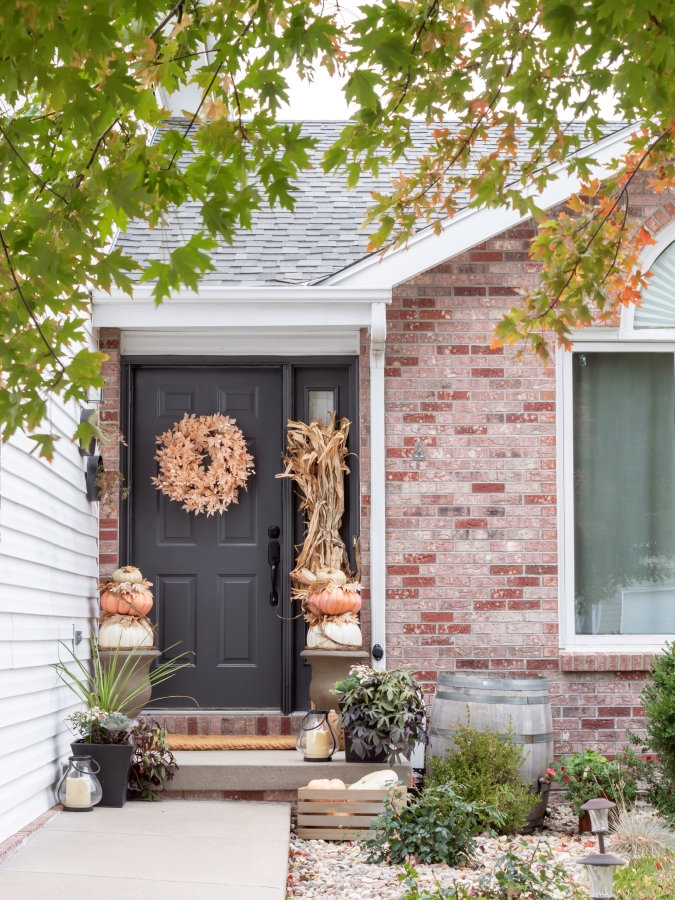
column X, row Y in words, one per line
column 264, row 770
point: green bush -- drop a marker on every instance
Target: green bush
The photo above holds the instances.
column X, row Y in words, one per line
column 484, row 768
column 535, row 877
column 588, row 775
column 437, row 826
column 658, row 700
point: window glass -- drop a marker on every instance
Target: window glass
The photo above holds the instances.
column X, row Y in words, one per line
column 321, row 405
column 624, row 493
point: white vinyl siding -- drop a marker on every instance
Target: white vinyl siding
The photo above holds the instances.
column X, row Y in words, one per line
column 48, row 571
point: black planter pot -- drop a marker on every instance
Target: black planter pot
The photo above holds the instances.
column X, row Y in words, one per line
column 115, row 762
column 372, row 756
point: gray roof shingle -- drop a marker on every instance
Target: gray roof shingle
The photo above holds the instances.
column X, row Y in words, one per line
column 322, row 237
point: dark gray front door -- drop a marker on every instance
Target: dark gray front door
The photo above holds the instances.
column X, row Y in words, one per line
column 211, row 576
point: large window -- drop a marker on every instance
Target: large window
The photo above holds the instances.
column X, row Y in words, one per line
column 623, row 460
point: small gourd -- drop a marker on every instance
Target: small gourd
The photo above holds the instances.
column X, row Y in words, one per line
column 334, row 634
column 137, row 604
column 334, row 602
column 127, row 574
column 331, row 576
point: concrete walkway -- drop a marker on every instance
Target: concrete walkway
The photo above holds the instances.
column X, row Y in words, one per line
column 174, row 850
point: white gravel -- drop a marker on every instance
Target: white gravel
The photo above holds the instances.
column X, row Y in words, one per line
column 320, row 870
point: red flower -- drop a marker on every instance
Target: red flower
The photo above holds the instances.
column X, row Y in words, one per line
column 649, row 759
column 562, row 768
column 550, row 772
column 566, row 778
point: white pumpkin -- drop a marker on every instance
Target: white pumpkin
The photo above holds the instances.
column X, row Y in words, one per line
column 127, row 574
column 334, row 633
column 331, row 576
column 125, row 632
column 375, row 781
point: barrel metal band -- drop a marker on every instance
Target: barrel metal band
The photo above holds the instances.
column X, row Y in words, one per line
column 515, row 738
column 485, row 698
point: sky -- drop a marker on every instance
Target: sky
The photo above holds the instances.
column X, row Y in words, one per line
column 322, row 99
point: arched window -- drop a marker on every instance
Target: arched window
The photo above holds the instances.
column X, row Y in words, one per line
column 658, row 300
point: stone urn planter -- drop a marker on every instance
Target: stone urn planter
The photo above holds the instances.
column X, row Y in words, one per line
column 142, row 660
column 329, row 666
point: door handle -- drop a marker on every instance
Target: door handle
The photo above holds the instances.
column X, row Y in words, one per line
column 274, row 557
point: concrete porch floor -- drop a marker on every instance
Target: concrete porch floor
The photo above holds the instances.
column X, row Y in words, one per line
column 177, row 851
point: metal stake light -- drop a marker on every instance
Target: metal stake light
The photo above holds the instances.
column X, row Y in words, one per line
column 600, row 866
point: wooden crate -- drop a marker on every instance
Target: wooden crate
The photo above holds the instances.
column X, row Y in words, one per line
column 317, row 819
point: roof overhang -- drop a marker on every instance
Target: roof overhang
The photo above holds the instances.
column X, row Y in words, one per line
column 470, row 227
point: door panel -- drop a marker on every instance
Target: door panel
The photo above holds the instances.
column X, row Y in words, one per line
column 210, row 574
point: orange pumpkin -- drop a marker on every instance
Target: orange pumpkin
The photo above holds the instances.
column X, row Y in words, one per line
column 137, row 604
column 335, row 602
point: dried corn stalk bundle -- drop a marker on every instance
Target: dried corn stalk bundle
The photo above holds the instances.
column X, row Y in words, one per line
column 316, row 463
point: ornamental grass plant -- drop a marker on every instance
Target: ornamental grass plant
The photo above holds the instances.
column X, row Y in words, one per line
column 485, row 767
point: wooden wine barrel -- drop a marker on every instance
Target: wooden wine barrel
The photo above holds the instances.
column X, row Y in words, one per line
column 496, row 703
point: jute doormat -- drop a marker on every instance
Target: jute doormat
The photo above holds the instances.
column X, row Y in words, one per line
column 231, row 741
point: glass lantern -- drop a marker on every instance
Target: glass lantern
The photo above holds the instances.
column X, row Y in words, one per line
column 600, row 868
column 317, row 741
column 80, row 790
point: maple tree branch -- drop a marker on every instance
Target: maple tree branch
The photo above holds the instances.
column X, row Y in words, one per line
column 26, row 304
column 43, row 184
column 166, row 19
column 617, row 200
column 94, row 152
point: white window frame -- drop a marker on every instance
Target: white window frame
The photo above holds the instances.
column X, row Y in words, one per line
column 624, row 339
column 569, row 640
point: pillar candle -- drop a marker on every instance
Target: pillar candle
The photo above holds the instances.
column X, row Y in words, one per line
column 78, row 792
column 318, row 744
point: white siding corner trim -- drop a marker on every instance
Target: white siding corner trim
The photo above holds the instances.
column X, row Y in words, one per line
column 378, row 560
column 48, row 569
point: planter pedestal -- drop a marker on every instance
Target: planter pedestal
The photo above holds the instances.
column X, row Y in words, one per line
column 329, row 666
column 142, row 660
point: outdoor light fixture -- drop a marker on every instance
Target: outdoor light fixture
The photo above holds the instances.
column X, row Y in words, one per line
column 80, row 790
column 317, row 741
column 600, row 866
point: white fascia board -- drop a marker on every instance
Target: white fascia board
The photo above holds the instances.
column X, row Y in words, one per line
column 240, row 307
column 470, row 227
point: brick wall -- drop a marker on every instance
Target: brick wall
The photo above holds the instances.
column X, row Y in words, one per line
column 109, row 343
column 472, row 557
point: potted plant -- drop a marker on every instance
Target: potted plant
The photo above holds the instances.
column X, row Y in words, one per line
column 382, row 713
column 103, row 732
column 588, row 776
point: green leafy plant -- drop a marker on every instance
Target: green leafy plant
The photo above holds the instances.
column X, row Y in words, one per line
column 646, row 878
column 485, row 767
column 438, row 826
column 96, row 726
column 588, row 775
column 658, row 700
column 534, row 876
column 152, row 763
column 382, row 710
column 109, row 686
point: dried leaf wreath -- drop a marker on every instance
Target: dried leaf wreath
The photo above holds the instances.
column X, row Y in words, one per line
column 184, row 474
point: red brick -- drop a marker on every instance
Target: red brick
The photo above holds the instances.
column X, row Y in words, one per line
column 486, row 488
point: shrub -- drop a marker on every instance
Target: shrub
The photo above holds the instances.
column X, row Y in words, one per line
column 588, row 775
column 537, row 877
column 437, row 826
column 658, row 700
column 382, row 710
column 485, row 768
